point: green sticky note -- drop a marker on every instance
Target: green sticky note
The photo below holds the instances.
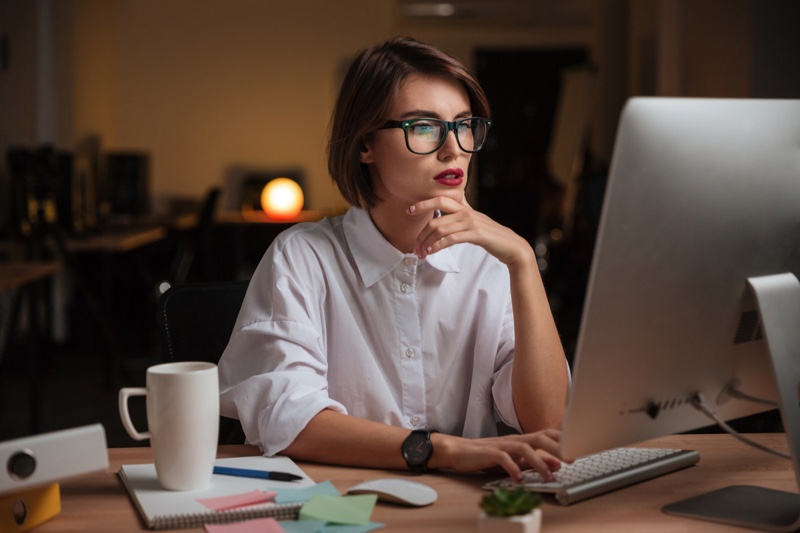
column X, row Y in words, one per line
column 294, row 526
column 352, row 510
column 305, row 494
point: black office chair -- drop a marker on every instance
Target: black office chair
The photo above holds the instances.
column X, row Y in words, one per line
column 195, row 322
column 196, row 241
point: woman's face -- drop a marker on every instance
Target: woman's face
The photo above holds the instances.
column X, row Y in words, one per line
column 400, row 177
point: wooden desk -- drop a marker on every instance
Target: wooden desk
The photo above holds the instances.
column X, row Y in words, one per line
column 117, row 241
column 232, row 217
column 16, row 274
column 98, row 502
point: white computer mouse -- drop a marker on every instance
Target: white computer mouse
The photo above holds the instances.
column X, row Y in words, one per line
column 395, row 490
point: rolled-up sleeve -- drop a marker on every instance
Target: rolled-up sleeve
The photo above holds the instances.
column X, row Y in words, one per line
column 273, row 371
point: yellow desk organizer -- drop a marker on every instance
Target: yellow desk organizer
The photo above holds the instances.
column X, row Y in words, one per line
column 28, row 508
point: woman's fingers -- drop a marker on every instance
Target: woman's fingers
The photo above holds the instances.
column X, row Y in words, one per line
column 537, row 451
column 460, row 223
column 440, row 203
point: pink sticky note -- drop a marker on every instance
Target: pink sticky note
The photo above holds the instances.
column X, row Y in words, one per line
column 238, row 500
column 260, row 525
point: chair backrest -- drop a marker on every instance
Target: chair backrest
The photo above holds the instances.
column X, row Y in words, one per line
column 196, row 241
column 195, row 322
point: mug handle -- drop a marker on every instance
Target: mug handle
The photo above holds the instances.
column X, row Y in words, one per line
column 124, row 394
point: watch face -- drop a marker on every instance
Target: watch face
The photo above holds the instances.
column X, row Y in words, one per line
column 417, row 449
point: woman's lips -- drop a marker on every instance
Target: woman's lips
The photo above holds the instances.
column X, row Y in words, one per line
column 452, row 177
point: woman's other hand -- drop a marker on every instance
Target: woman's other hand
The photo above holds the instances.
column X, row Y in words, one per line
column 460, row 223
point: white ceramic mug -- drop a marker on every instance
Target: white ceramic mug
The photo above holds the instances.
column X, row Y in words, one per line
column 183, row 421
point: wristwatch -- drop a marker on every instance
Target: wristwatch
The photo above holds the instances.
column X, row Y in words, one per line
column 417, row 449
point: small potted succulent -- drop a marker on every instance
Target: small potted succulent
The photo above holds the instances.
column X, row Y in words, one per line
column 510, row 511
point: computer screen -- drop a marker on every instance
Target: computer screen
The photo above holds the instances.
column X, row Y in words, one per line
column 702, row 195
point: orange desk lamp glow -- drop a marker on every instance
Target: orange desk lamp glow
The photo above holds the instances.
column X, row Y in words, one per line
column 282, row 199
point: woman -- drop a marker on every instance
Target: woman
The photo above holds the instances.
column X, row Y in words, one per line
column 396, row 336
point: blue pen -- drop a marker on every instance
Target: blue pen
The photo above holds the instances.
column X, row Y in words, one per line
column 260, row 474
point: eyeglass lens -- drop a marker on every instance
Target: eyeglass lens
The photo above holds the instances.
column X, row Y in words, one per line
column 428, row 135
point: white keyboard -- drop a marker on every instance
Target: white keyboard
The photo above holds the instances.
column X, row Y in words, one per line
column 603, row 472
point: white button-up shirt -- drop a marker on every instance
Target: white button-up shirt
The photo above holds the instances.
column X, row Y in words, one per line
column 337, row 318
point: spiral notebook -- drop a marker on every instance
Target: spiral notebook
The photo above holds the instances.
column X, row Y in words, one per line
column 167, row 509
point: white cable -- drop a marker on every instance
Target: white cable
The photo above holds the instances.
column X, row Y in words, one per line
column 736, row 393
column 699, row 403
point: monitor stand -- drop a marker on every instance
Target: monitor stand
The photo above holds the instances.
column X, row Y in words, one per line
column 778, row 299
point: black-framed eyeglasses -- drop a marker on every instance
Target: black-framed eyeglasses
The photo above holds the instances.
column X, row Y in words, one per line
column 426, row 135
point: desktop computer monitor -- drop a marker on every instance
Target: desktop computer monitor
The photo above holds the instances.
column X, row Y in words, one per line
column 702, row 204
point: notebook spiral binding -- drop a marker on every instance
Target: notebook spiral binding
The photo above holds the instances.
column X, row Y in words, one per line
column 278, row 511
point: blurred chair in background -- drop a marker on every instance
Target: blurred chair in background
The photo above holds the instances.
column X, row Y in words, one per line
column 195, row 241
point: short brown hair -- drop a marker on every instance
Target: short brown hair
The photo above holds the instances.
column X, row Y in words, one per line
column 367, row 92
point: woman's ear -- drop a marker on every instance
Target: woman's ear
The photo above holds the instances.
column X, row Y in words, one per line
column 365, row 155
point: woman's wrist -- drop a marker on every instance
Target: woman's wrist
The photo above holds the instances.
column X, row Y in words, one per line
column 442, row 451
column 523, row 255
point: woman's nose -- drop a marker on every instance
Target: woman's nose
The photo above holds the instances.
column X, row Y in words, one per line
column 450, row 148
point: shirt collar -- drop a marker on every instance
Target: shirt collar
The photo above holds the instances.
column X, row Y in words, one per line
column 374, row 256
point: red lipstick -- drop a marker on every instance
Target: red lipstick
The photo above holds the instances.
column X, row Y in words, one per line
column 452, row 177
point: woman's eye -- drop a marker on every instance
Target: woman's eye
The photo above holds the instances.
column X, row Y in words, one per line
column 425, row 130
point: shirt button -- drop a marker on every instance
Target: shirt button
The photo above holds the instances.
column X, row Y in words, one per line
column 414, row 420
column 410, row 353
column 408, row 261
column 404, row 288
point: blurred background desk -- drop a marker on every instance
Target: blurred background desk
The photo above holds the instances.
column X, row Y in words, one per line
column 17, row 274
column 117, row 240
column 232, row 217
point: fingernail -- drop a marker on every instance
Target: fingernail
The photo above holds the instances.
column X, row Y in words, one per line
column 411, row 209
column 429, row 249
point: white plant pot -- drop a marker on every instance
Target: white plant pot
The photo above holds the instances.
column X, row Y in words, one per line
column 528, row 523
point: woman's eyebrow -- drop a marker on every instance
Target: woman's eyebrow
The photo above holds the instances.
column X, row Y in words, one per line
column 424, row 113
column 419, row 113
